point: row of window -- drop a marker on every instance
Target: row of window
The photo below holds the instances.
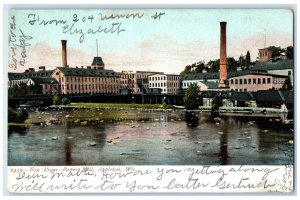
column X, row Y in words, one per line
column 158, row 78
column 90, row 87
column 264, row 53
column 95, row 92
column 187, row 84
column 172, row 84
column 32, row 75
column 129, row 81
column 250, row 81
column 127, row 76
column 241, row 90
column 169, row 90
column 51, row 86
column 82, row 79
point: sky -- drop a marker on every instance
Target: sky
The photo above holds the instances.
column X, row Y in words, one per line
column 168, row 43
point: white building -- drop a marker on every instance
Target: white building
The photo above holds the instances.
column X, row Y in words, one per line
column 279, row 67
column 190, row 79
column 168, row 83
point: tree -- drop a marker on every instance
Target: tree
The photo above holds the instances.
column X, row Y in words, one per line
column 65, row 101
column 248, row 60
column 35, row 89
column 200, row 66
column 56, row 100
column 190, row 98
column 232, row 64
column 290, row 52
column 216, row 103
column 214, row 65
column 17, row 116
column 187, row 69
column 241, row 61
column 287, row 85
column 276, row 51
column 22, row 89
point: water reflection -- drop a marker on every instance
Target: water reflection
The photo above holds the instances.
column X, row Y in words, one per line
column 68, row 144
column 224, row 143
column 192, row 119
column 99, row 135
column 20, row 130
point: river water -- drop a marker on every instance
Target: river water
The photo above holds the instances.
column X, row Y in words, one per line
column 149, row 137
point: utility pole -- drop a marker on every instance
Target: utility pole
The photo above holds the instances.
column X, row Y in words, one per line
column 265, row 41
column 97, row 46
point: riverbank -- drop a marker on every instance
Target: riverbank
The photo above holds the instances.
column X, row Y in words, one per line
column 119, row 105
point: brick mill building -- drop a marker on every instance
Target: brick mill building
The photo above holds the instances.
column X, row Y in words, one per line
column 93, row 79
column 86, row 80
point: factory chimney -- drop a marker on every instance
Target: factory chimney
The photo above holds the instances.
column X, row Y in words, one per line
column 64, row 53
column 223, row 56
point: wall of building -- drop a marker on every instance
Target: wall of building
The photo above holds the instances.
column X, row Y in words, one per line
column 87, row 84
column 169, row 84
column 50, row 88
column 284, row 72
column 255, row 82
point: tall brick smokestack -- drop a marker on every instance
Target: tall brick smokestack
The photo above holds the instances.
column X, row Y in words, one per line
column 223, row 56
column 64, row 53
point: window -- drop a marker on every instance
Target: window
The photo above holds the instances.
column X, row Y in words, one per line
column 258, row 81
column 245, row 81
column 264, row 80
column 241, row 81
column 249, row 81
column 268, row 80
column 289, row 73
column 231, row 81
column 254, row 81
column 245, row 90
column 236, row 81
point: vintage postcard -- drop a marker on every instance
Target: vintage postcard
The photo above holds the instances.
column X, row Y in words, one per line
column 150, row 100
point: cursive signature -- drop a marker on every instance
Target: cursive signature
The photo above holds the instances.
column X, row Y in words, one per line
column 17, row 43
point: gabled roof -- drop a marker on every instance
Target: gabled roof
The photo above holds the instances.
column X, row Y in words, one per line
column 16, row 76
column 67, row 71
column 97, row 61
column 238, row 73
column 269, row 96
column 242, row 96
column 200, row 76
column 247, row 72
column 274, row 65
column 44, row 80
column 210, row 84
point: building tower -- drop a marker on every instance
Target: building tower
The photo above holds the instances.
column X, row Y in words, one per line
column 97, row 61
column 223, row 56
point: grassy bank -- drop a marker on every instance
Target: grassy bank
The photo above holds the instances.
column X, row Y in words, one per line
column 120, row 105
column 19, row 124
